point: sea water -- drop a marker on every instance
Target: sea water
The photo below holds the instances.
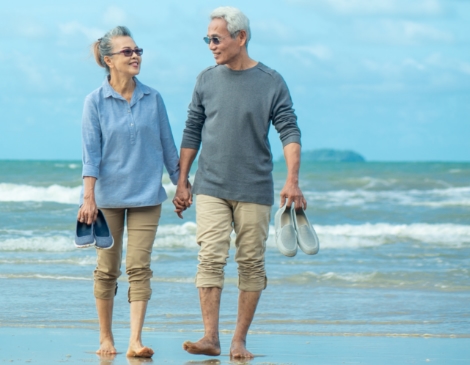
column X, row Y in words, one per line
column 394, row 255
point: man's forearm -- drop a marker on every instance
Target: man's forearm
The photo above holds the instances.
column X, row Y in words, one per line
column 187, row 156
column 292, row 156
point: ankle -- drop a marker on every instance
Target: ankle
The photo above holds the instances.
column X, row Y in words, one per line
column 212, row 337
column 107, row 336
column 237, row 339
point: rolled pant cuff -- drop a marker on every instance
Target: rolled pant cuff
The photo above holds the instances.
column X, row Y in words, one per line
column 140, row 292
column 252, row 284
column 104, row 289
column 209, row 282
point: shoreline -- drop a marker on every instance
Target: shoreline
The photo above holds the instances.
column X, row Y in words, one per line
column 77, row 346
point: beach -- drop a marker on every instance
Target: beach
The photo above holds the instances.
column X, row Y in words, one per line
column 77, row 346
column 390, row 284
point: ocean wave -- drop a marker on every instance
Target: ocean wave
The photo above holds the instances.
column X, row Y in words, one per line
column 41, row 276
column 455, row 196
column 38, row 244
column 53, row 193
column 400, row 279
column 371, row 235
column 331, row 237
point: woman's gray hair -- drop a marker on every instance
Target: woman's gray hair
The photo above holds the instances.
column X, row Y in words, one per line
column 235, row 19
column 104, row 47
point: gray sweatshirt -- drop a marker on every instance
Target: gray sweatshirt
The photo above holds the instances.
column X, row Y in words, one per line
column 230, row 113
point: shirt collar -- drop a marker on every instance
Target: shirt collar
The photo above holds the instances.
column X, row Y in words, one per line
column 139, row 92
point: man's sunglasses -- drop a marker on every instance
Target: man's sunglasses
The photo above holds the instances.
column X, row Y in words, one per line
column 217, row 40
column 129, row 52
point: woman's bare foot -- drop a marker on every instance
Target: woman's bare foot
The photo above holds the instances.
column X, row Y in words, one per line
column 238, row 350
column 139, row 350
column 204, row 346
column 106, row 346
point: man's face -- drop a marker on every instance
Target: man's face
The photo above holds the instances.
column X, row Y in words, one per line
column 229, row 49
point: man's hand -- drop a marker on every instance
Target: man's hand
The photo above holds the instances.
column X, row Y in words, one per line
column 291, row 191
column 183, row 198
column 292, row 194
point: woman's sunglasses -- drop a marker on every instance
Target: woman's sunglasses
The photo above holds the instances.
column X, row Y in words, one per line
column 129, row 52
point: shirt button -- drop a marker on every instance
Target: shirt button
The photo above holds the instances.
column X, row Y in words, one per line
column 132, row 124
column 129, row 111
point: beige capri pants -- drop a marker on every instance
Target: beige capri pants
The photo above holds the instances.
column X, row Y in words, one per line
column 216, row 218
column 142, row 223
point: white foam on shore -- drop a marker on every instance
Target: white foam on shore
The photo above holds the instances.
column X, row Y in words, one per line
column 331, row 237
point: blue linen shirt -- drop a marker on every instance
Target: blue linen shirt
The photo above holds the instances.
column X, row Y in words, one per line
column 125, row 146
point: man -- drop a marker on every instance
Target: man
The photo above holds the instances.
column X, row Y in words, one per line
column 232, row 107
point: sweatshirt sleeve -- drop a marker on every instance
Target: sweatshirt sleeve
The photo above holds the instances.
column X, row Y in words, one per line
column 195, row 122
column 91, row 139
column 283, row 116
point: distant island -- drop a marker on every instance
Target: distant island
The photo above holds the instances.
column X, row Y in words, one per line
column 330, row 155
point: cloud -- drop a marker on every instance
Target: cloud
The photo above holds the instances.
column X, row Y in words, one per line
column 73, row 28
column 306, row 53
column 32, row 30
column 114, row 16
column 401, row 32
column 377, row 7
column 272, row 29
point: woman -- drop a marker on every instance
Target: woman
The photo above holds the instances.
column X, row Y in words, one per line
column 126, row 141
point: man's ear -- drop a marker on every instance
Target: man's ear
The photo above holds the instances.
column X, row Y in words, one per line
column 242, row 37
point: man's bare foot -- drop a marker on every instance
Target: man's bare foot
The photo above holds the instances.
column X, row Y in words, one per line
column 204, row 346
column 238, row 350
column 139, row 350
column 106, row 347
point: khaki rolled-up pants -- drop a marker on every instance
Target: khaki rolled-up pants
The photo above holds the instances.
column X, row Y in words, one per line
column 142, row 223
column 216, row 218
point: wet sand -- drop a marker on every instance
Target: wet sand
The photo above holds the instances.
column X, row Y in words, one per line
column 77, row 346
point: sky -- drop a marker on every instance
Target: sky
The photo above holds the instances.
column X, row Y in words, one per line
column 389, row 79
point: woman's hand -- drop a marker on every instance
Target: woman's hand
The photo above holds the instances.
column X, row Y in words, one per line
column 88, row 211
column 183, row 198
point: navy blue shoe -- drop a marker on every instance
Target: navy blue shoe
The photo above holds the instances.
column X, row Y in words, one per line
column 84, row 235
column 103, row 237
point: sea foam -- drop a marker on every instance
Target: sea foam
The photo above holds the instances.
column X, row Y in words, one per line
column 331, row 237
column 454, row 196
column 53, row 193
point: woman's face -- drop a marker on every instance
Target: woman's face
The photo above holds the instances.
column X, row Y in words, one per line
column 119, row 63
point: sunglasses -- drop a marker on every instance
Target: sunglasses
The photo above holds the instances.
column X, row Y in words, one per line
column 216, row 40
column 129, row 52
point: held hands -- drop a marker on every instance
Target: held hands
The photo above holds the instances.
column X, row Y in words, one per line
column 183, row 198
column 292, row 194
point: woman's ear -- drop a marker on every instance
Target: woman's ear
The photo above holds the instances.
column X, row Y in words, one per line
column 108, row 60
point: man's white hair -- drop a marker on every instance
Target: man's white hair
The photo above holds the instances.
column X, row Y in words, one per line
column 235, row 19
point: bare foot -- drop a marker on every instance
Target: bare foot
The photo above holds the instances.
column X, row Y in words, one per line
column 106, row 346
column 204, row 346
column 139, row 350
column 238, row 350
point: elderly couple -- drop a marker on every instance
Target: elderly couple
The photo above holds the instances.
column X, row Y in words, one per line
column 126, row 141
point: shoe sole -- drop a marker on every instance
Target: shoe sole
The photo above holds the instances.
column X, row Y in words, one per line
column 84, row 246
